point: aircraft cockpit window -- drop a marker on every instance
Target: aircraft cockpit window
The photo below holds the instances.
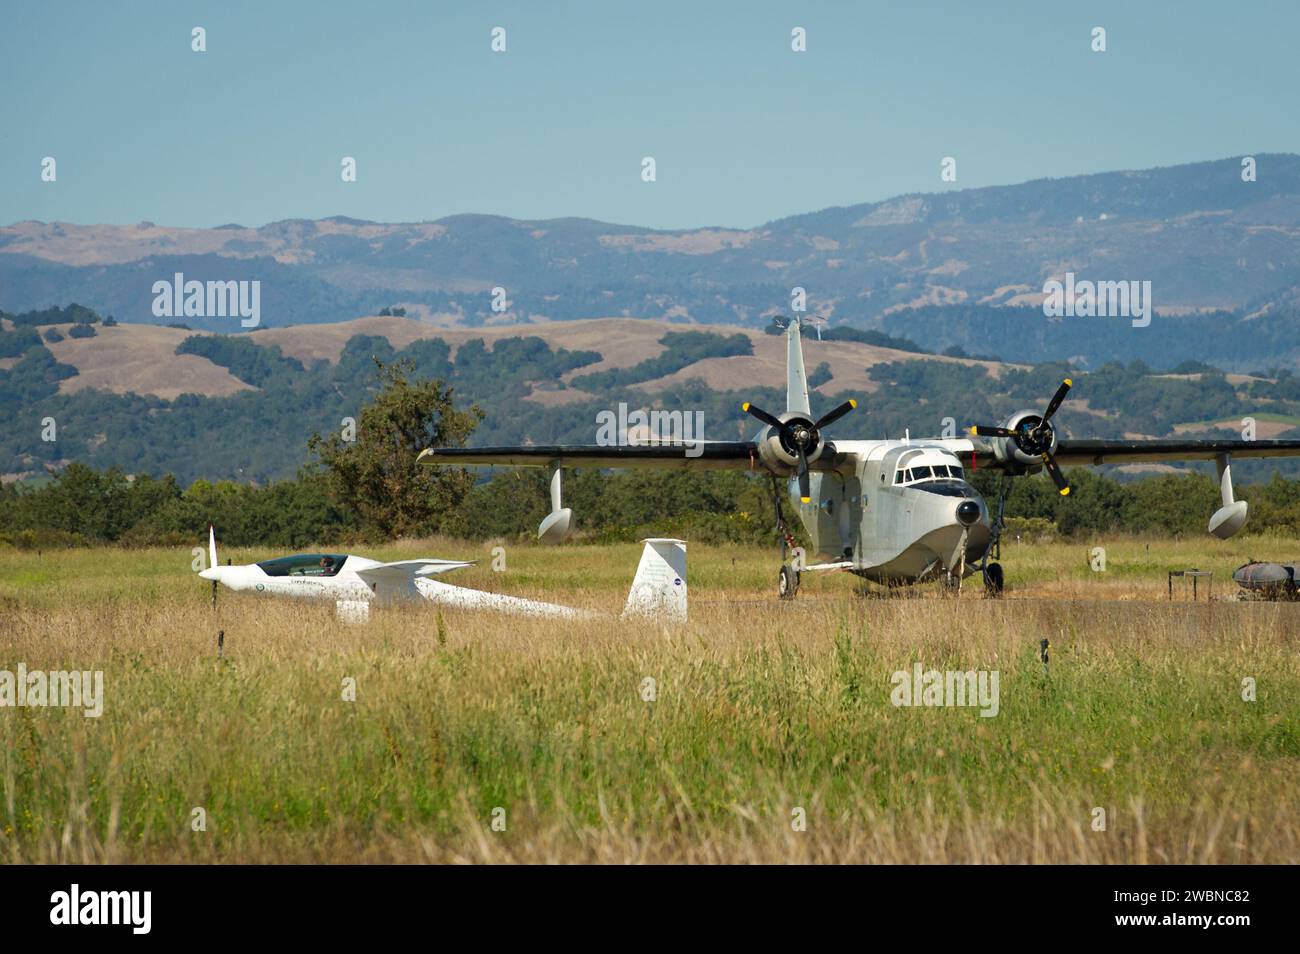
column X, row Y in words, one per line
column 306, row 564
column 911, row 475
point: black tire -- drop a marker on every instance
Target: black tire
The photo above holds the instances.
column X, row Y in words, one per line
column 993, row 580
column 787, row 584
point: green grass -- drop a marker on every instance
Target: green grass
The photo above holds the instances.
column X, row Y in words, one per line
column 761, row 708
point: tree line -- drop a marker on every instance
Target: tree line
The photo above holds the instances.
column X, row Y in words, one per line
column 365, row 486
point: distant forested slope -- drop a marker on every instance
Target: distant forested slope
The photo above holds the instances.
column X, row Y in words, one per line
column 259, row 434
column 1229, row 340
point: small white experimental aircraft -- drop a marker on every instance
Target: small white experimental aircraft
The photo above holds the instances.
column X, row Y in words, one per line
column 354, row 582
column 891, row 511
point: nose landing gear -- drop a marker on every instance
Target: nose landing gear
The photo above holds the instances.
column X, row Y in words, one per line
column 788, row 583
column 992, row 572
column 993, row 580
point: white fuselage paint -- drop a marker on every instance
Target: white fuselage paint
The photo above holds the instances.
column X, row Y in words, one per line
column 346, row 585
column 461, row 596
column 889, row 530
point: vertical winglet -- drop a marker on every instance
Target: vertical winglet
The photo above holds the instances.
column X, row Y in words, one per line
column 212, row 546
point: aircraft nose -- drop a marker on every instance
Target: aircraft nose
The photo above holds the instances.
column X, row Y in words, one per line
column 968, row 511
column 211, row 573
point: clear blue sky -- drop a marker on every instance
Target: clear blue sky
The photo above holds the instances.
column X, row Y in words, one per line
column 743, row 130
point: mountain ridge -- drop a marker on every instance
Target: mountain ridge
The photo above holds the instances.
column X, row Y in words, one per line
column 1206, row 239
column 1290, row 162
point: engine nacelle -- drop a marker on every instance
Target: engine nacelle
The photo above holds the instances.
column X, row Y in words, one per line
column 776, row 447
column 1024, row 452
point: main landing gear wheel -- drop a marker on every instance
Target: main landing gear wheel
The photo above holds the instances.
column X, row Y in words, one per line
column 993, row 580
column 788, row 583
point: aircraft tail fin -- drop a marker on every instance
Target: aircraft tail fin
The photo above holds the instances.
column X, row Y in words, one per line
column 796, row 380
column 659, row 587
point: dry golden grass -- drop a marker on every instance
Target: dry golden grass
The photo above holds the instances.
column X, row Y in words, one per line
column 141, row 359
column 761, row 708
column 850, row 363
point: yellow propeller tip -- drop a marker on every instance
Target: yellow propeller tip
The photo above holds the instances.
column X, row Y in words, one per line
column 1069, row 383
column 1065, row 491
column 975, row 430
column 745, row 406
column 806, row 499
column 852, row 403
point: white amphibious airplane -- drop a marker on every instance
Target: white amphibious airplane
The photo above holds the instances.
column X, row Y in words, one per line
column 354, row 582
column 892, row 511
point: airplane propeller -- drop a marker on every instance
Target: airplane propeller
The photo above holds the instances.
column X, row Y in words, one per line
column 1034, row 437
column 800, row 436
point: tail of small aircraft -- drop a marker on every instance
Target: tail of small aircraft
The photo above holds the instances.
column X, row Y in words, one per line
column 659, row 587
column 658, row 590
column 796, row 380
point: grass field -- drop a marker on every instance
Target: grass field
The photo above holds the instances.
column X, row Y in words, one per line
column 763, row 713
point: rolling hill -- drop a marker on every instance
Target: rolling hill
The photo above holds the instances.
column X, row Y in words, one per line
column 158, row 400
column 1203, row 237
column 142, row 359
column 947, row 285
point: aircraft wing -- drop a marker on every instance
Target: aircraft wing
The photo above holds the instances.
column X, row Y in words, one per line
column 1080, row 453
column 706, row 455
column 1073, row 453
column 404, row 570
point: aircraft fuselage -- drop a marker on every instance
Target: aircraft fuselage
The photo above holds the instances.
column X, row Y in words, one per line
column 305, row 582
column 895, row 512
